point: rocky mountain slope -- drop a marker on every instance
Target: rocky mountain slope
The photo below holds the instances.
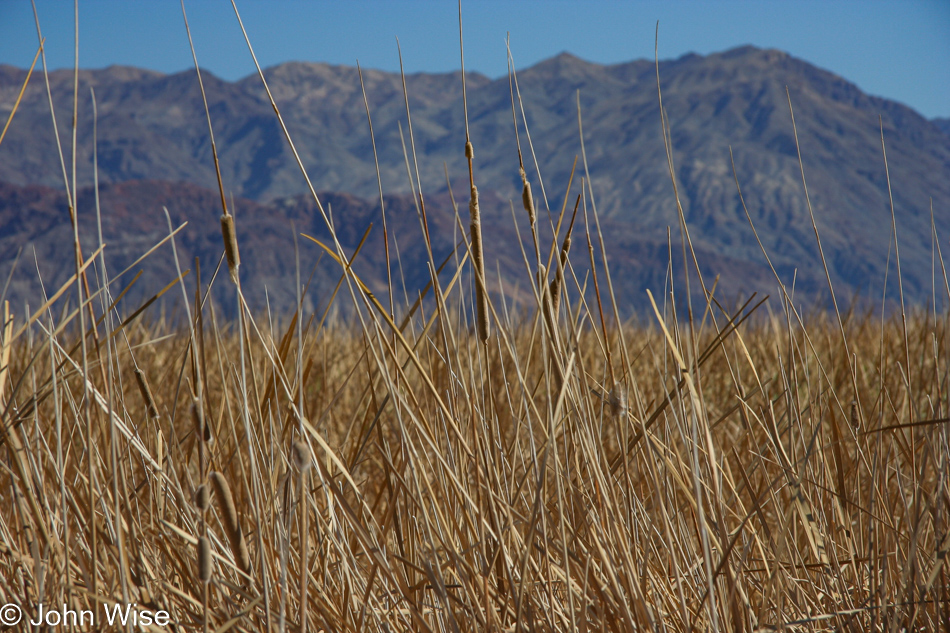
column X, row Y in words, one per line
column 33, row 219
column 152, row 126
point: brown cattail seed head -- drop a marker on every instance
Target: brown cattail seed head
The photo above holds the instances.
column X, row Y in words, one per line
column 855, row 422
column 617, row 399
column 469, row 150
column 301, row 455
column 204, row 559
column 478, row 266
column 542, row 277
column 146, row 393
column 231, row 521
column 473, row 208
column 555, row 293
column 528, row 201
column 160, row 460
column 559, row 275
column 230, row 245
column 203, row 497
column 198, row 419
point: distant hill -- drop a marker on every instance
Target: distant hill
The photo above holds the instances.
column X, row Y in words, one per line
column 35, row 218
column 152, row 128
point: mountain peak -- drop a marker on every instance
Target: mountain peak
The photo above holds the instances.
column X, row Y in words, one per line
column 567, row 57
column 565, row 61
column 151, row 126
column 751, row 51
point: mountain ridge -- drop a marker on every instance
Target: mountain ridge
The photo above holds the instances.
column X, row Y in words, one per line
column 36, row 216
column 733, row 103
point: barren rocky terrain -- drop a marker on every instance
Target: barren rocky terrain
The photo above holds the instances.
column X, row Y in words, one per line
column 152, row 128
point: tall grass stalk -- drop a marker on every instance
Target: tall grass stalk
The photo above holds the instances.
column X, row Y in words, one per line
column 475, row 460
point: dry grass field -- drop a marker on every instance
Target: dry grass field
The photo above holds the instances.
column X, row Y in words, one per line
column 462, row 463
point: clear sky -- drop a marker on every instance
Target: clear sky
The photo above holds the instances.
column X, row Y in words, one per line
column 899, row 49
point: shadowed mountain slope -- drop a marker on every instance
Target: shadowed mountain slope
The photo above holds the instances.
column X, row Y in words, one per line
column 152, row 126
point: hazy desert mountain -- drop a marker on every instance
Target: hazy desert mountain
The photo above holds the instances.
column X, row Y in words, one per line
column 942, row 123
column 35, row 219
column 152, row 126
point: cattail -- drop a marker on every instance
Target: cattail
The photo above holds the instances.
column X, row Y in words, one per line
column 855, row 422
column 146, row 392
column 203, row 497
column 617, row 399
column 478, row 263
column 198, row 419
column 815, row 538
column 557, row 282
column 550, row 322
column 204, row 559
column 527, row 199
column 303, row 458
column 160, row 460
column 301, row 455
column 230, row 245
column 547, row 309
column 542, row 279
column 232, row 524
column 469, row 150
column 545, row 298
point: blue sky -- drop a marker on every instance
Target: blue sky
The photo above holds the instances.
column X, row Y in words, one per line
column 895, row 49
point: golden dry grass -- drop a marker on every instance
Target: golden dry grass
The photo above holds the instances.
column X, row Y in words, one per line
column 456, row 488
column 448, row 466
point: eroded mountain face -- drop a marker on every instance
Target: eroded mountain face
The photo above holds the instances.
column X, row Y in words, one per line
column 153, row 136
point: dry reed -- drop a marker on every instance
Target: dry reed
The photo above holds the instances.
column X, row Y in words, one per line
column 230, row 245
column 231, row 521
column 203, row 498
column 478, row 257
column 302, row 457
column 146, row 392
column 750, row 470
column 204, row 559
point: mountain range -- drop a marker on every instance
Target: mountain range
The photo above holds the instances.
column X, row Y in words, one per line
column 154, row 150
